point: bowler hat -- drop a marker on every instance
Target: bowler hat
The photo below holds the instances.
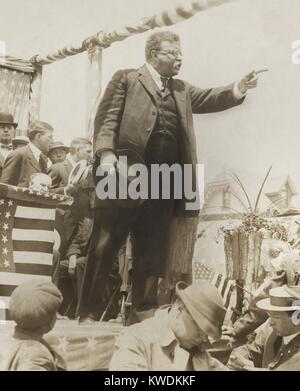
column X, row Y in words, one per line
column 204, row 304
column 33, row 304
column 283, row 298
column 7, row 119
column 58, row 144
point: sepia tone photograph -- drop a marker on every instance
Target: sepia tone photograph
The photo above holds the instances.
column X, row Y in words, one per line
column 149, row 187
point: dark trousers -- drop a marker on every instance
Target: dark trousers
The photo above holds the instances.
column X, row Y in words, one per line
column 70, row 288
column 149, row 225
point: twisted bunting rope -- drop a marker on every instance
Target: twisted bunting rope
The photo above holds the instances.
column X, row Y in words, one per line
column 105, row 39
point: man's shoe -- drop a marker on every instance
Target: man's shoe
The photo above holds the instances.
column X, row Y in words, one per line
column 86, row 320
column 61, row 317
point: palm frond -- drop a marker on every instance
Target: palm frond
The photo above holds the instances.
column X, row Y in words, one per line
column 239, row 182
column 261, row 189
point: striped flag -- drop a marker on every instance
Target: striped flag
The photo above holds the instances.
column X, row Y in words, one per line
column 27, row 235
column 224, row 285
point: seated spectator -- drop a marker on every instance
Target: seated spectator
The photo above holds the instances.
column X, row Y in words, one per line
column 71, row 272
column 58, row 152
column 71, row 269
column 287, row 271
column 277, row 345
column 33, row 306
column 176, row 337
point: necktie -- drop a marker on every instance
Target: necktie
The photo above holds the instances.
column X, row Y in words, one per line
column 164, row 81
column 278, row 343
column 43, row 163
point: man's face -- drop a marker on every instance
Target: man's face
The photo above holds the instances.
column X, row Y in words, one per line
column 6, row 133
column 168, row 59
column 57, row 155
column 187, row 332
column 44, row 141
column 282, row 323
column 84, row 152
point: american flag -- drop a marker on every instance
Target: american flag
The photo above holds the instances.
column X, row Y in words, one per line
column 223, row 284
column 27, row 233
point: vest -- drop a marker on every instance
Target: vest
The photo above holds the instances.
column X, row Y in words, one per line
column 163, row 144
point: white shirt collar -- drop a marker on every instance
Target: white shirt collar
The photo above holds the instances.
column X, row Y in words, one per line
column 35, row 150
column 71, row 159
column 155, row 75
column 5, row 152
column 288, row 338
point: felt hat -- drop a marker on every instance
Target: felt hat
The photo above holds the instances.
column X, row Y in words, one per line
column 58, row 144
column 204, row 303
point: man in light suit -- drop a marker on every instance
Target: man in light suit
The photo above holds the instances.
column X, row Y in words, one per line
column 31, row 159
column 277, row 345
column 149, row 112
column 7, row 130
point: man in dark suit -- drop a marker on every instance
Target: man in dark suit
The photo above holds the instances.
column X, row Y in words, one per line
column 148, row 112
column 7, row 130
column 31, row 159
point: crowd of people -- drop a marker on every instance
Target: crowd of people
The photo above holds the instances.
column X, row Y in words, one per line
column 146, row 115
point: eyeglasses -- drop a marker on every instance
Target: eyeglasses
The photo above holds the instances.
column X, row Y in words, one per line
column 172, row 53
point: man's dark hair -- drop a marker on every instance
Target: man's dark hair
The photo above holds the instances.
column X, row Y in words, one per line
column 154, row 41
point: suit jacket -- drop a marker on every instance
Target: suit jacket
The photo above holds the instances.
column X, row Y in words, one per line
column 59, row 173
column 128, row 112
column 81, row 207
column 150, row 346
column 19, row 166
column 67, row 219
column 254, row 317
column 268, row 352
column 28, row 352
column 2, row 160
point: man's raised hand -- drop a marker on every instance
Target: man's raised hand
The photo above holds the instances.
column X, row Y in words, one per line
column 250, row 80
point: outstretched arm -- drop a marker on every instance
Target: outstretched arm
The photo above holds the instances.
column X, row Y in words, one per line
column 222, row 98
